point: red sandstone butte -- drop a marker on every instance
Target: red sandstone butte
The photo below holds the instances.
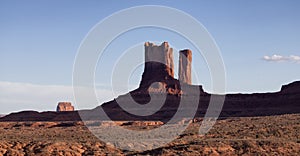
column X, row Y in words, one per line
column 64, row 106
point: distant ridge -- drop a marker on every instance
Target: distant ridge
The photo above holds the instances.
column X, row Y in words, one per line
column 291, row 88
column 286, row 101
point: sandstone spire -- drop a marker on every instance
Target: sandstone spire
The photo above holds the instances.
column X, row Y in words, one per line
column 185, row 63
column 159, row 65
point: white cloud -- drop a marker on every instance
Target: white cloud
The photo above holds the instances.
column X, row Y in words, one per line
column 25, row 96
column 280, row 58
column 295, row 58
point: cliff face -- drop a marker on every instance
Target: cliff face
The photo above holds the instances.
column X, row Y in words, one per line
column 159, row 66
column 291, row 88
column 158, row 75
column 185, row 66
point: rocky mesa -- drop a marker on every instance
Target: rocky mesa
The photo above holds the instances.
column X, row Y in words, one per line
column 158, row 82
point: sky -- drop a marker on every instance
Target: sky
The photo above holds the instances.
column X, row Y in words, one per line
column 39, row 40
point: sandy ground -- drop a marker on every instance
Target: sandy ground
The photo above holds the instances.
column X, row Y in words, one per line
column 271, row 135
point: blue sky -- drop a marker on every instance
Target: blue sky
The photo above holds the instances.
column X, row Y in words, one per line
column 259, row 43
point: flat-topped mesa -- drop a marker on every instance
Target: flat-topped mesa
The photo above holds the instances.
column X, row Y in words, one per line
column 291, row 88
column 185, row 66
column 159, row 65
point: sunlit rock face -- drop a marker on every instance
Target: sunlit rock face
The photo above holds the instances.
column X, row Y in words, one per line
column 185, row 66
column 159, row 66
column 158, row 75
column 64, row 106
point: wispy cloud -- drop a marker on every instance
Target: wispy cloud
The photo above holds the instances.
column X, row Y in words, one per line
column 280, row 58
column 26, row 96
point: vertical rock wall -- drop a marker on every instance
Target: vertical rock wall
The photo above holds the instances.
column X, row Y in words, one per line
column 159, row 64
column 185, row 66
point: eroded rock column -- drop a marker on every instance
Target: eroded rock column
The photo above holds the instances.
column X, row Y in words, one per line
column 185, row 66
column 159, row 63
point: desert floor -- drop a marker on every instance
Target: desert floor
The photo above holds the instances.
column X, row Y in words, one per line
column 270, row 135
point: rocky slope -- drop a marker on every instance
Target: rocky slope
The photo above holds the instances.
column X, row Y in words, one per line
column 285, row 101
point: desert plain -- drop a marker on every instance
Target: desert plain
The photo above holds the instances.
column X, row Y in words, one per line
column 266, row 135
